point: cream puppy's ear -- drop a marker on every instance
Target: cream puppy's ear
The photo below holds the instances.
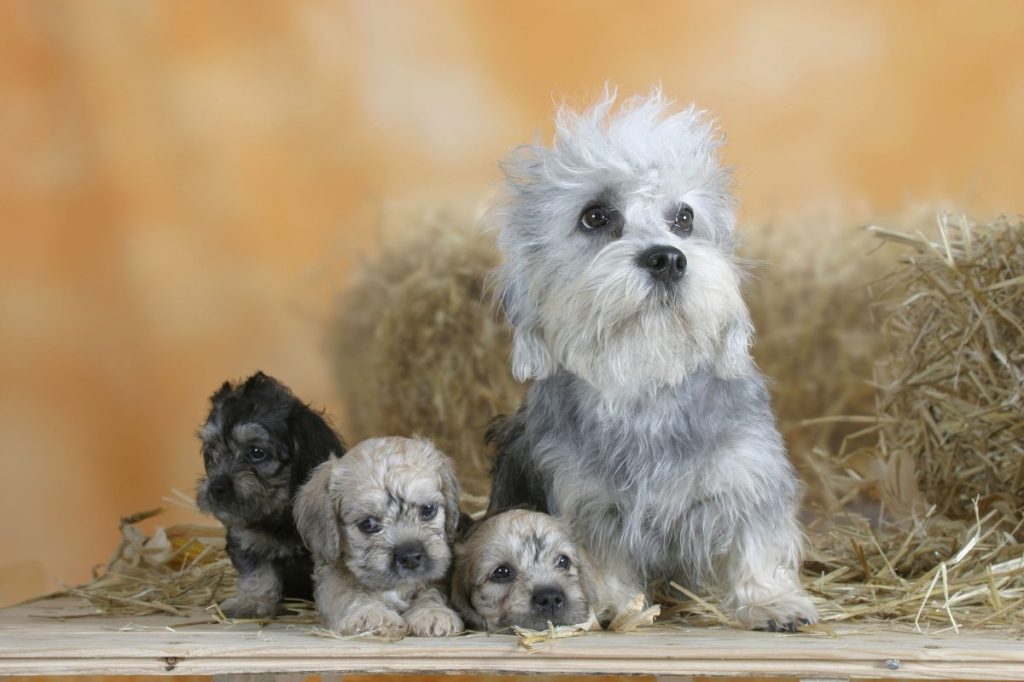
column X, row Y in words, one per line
column 316, row 514
column 450, row 491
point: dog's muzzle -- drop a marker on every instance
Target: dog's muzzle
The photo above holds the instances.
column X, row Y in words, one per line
column 548, row 601
column 409, row 557
column 666, row 264
column 221, row 489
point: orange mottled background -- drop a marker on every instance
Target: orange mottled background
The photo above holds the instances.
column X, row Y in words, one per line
column 185, row 185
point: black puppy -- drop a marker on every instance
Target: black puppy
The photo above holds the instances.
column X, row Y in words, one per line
column 259, row 445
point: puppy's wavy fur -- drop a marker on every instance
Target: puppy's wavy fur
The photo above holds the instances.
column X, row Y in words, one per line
column 260, row 444
column 521, row 568
column 647, row 428
column 363, row 516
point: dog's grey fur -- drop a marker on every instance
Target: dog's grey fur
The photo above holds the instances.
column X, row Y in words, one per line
column 360, row 584
column 253, row 497
column 648, row 427
column 530, row 546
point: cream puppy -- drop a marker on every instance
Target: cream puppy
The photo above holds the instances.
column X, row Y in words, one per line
column 379, row 523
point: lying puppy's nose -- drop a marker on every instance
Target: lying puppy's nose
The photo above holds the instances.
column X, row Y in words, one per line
column 665, row 263
column 409, row 555
column 221, row 488
column 548, row 599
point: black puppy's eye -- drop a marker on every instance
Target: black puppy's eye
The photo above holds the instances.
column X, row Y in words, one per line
column 369, row 525
column 257, row 454
column 502, row 574
column 428, row 511
column 594, row 218
column 683, row 221
column 563, row 562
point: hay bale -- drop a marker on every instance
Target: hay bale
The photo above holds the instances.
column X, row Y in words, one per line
column 946, row 545
column 419, row 348
column 817, row 340
column 950, row 404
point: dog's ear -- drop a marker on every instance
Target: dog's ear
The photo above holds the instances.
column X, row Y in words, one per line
column 221, row 393
column 450, row 491
column 732, row 358
column 531, row 358
column 589, row 581
column 312, row 441
column 462, row 588
column 316, row 516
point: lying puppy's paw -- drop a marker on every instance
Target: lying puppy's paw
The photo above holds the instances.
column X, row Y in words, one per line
column 433, row 621
column 248, row 606
column 785, row 614
column 378, row 620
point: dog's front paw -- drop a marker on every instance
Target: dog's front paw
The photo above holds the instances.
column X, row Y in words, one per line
column 433, row 621
column 377, row 620
column 783, row 614
column 248, row 606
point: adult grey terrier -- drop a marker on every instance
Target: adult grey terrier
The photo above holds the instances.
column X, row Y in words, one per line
column 648, row 426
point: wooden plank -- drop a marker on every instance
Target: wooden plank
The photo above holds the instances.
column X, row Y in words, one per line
column 34, row 642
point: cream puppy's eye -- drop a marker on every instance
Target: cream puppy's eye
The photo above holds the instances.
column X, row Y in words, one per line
column 428, row 511
column 369, row 525
column 563, row 562
column 502, row 574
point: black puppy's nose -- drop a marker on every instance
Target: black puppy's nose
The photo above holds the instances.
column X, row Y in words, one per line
column 548, row 599
column 665, row 263
column 409, row 555
column 221, row 488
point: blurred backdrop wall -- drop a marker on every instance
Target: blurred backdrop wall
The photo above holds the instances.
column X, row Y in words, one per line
column 185, row 185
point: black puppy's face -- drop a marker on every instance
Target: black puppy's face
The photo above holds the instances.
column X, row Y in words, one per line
column 249, row 448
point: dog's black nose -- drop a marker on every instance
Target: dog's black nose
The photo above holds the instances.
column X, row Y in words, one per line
column 665, row 263
column 221, row 488
column 409, row 555
column 548, row 599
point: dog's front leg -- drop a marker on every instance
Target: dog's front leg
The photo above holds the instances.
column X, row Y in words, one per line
column 348, row 609
column 259, row 586
column 762, row 583
column 430, row 616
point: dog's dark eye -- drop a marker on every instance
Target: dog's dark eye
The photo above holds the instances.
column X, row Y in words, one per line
column 683, row 220
column 598, row 217
column 257, row 454
column 594, row 218
column 563, row 562
column 428, row 511
column 369, row 525
column 502, row 574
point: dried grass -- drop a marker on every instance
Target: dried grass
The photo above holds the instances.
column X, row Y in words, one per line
column 917, row 476
column 418, row 348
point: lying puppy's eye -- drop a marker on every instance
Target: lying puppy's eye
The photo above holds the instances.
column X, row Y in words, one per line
column 683, row 221
column 502, row 574
column 428, row 511
column 369, row 525
column 563, row 562
column 257, row 454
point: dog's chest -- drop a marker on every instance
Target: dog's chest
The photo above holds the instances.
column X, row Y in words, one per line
column 268, row 545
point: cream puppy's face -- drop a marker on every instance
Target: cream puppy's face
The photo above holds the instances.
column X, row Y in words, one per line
column 521, row 568
column 387, row 509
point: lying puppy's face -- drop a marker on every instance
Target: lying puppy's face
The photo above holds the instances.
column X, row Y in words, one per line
column 259, row 444
column 521, row 568
column 387, row 509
